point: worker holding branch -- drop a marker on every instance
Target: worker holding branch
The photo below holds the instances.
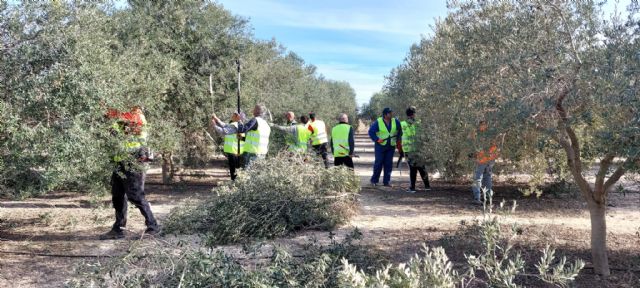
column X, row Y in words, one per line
column 127, row 179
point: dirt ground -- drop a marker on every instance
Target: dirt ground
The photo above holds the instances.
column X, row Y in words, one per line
column 43, row 239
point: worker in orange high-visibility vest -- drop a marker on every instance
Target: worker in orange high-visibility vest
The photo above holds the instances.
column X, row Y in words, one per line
column 485, row 157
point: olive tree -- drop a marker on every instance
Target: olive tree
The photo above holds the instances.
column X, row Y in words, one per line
column 547, row 75
column 63, row 63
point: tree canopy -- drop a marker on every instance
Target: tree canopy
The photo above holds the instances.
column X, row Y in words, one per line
column 556, row 81
column 63, row 63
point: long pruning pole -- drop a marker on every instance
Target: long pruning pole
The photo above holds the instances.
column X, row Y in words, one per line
column 238, row 67
column 238, row 102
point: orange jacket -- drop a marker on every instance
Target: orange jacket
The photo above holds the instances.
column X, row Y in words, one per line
column 483, row 157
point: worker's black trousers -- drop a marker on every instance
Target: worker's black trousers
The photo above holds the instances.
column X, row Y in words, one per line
column 413, row 172
column 234, row 164
column 128, row 184
column 321, row 149
column 346, row 161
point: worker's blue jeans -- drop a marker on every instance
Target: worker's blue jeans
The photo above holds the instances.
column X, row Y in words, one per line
column 482, row 179
column 384, row 159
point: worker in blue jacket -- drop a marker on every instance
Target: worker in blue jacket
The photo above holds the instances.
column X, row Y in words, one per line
column 386, row 132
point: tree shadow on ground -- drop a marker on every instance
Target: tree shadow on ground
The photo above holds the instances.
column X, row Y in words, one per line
column 48, row 237
column 457, row 198
column 624, row 259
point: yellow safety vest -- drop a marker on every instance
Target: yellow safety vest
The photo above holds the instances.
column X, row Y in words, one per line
column 303, row 135
column 231, row 141
column 257, row 141
column 319, row 135
column 385, row 134
column 408, row 136
column 340, row 139
column 130, row 145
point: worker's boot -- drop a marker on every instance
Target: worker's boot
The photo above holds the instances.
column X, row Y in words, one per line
column 112, row 235
column 152, row 231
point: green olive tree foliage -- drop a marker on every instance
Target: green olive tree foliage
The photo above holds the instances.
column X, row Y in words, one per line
column 49, row 118
column 62, row 64
column 548, row 76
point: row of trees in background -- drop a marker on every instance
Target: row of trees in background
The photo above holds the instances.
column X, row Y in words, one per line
column 557, row 80
column 62, row 63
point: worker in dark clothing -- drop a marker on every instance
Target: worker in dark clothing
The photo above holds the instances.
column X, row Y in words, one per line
column 127, row 180
column 342, row 142
column 386, row 132
column 319, row 138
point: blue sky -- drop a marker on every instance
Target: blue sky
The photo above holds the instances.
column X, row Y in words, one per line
column 357, row 41
column 350, row 40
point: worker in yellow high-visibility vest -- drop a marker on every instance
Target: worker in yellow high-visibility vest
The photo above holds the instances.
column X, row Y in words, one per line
column 408, row 148
column 297, row 137
column 257, row 130
column 231, row 139
column 319, row 137
column 342, row 142
column 386, row 132
column 127, row 180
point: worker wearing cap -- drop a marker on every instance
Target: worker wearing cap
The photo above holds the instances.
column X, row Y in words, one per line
column 485, row 155
column 319, row 137
column 297, row 134
column 386, row 132
column 342, row 142
column 408, row 148
column 232, row 140
column 127, row 180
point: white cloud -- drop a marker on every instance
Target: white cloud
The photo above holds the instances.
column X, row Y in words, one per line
column 358, row 41
column 364, row 80
column 370, row 17
column 332, row 48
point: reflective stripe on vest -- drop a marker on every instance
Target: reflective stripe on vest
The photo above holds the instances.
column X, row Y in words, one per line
column 385, row 134
column 319, row 135
column 257, row 141
column 303, row 135
column 408, row 136
column 340, row 139
column 231, row 142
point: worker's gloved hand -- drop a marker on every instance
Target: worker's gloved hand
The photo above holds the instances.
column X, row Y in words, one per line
column 379, row 141
column 399, row 146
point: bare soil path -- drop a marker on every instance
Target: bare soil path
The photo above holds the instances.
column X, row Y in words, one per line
column 43, row 239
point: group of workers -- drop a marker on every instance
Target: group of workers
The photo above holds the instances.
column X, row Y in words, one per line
column 244, row 142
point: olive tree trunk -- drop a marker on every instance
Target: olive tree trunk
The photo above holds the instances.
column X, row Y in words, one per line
column 597, row 211
column 167, row 168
